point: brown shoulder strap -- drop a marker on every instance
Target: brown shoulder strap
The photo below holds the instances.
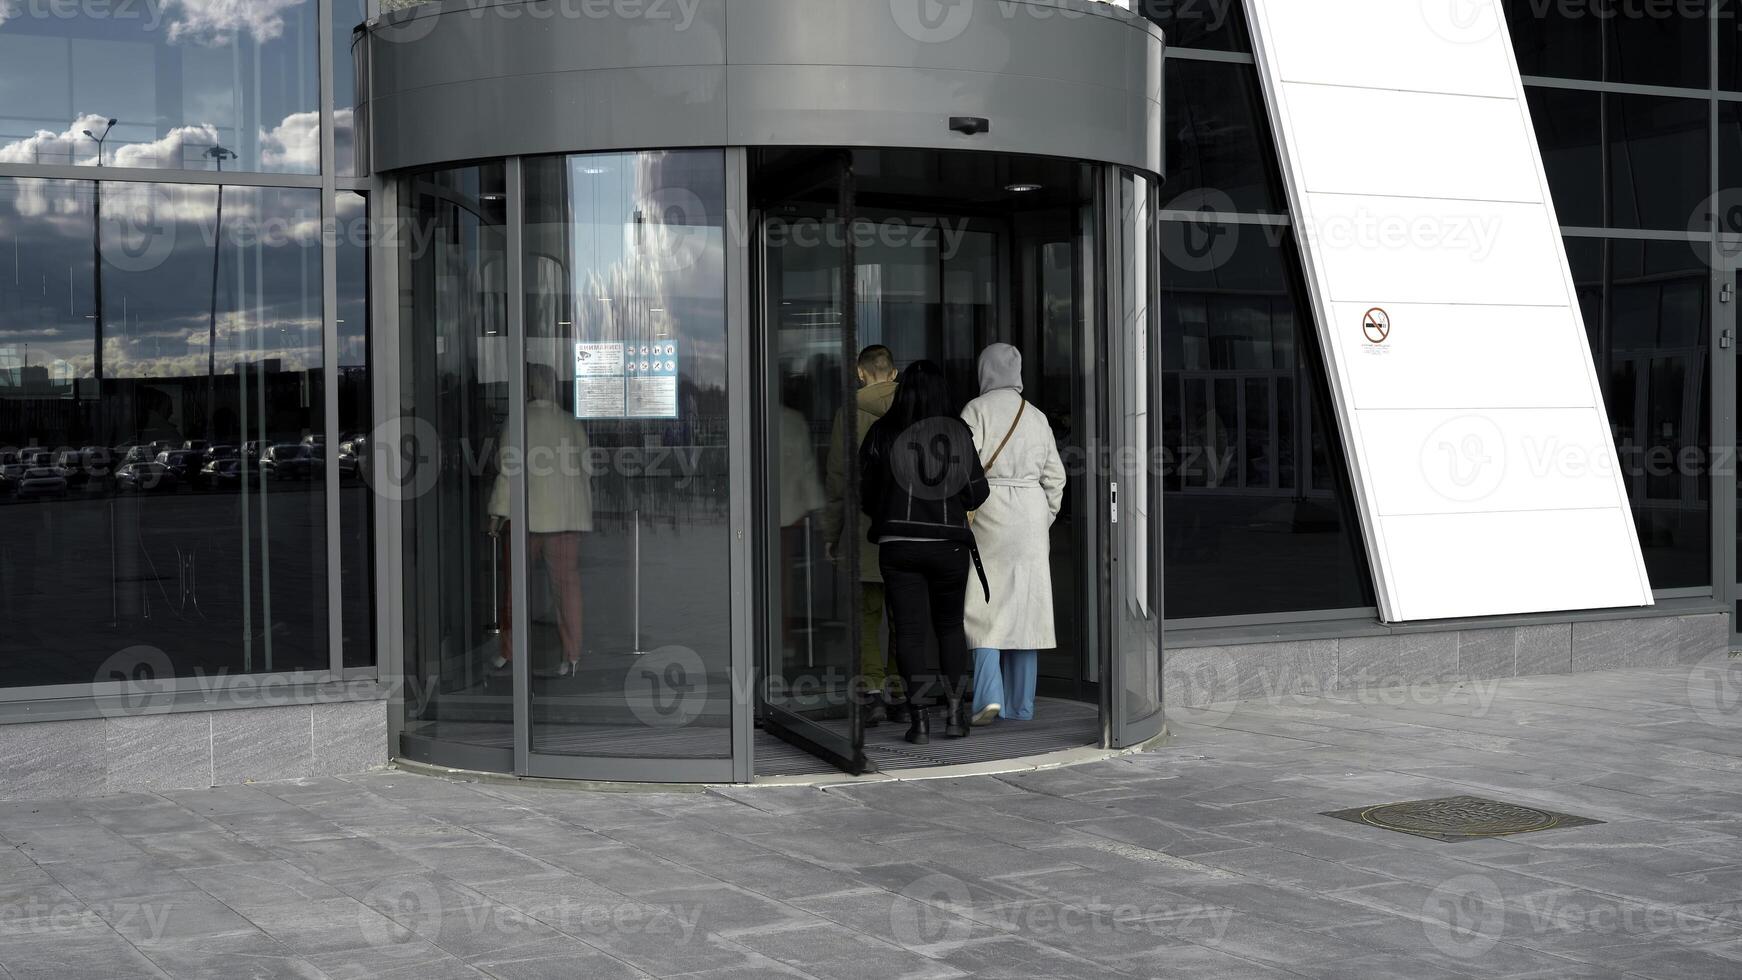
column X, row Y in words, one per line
column 1013, row 424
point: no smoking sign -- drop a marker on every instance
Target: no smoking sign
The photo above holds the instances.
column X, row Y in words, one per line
column 1376, row 325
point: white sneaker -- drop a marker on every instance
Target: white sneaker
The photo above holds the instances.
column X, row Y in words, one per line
column 986, row 714
column 499, row 661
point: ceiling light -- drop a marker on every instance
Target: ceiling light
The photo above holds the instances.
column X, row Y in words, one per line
column 1022, row 188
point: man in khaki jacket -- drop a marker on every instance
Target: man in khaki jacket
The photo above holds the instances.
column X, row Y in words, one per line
column 876, row 392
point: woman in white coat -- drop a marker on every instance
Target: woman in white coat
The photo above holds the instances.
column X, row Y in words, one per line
column 1012, row 528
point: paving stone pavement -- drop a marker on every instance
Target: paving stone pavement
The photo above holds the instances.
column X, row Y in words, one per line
column 1207, row 859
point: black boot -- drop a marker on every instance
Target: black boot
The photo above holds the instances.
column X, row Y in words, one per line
column 919, row 722
column 870, row 710
column 894, row 707
column 956, row 722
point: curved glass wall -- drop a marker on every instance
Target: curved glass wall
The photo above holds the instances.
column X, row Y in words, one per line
column 630, row 523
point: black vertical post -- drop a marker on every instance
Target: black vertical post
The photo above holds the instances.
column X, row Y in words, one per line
column 850, row 424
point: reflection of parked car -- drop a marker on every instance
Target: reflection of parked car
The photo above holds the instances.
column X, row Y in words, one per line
column 179, row 461
column 351, row 453
column 39, row 482
column 254, row 449
column 198, row 470
column 221, row 474
column 141, row 477
column 289, row 461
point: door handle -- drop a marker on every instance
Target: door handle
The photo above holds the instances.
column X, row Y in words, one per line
column 1113, row 502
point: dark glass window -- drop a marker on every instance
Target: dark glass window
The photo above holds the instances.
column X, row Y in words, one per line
column 161, row 470
column 1555, row 39
column 347, row 14
column 1220, row 155
column 356, row 503
column 1258, row 517
column 1659, row 43
column 1218, row 25
column 1727, row 208
column 189, row 86
column 1730, row 50
column 1569, row 129
column 1653, row 359
column 1659, row 173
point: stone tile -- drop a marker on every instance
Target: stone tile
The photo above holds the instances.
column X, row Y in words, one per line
column 1546, row 649
column 53, row 760
column 1397, row 660
column 1487, row 653
column 1702, row 637
column 172, row 917
column 350, row 736
column 193, row 963
column 1615, row 643
column 560, row 959
column 97, row 881
column 260, row 884
column 88, row 841
column 415, row 959
column 1206, row 675
column 201, row 849
column 158, row 752
column 109, row 957
column 261, row 744
column 333, row 925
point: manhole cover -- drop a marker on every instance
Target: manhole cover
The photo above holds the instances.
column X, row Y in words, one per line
column 1457, row 818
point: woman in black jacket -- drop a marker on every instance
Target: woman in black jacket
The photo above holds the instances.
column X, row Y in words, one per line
column 920, row 476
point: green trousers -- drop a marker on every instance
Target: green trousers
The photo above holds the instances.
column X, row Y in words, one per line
column 873, row 665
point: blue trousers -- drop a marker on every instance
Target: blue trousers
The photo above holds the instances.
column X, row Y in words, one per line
column 1009, row 684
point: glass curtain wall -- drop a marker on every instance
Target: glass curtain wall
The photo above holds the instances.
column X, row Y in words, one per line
column 160, row 413
column 1623, row 108
column 165, row 363
column 1258, row 515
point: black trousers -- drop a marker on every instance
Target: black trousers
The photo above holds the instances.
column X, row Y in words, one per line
column 927, row 583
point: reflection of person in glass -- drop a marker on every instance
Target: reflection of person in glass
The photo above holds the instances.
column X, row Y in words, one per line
column 559, row 509
column 801, row 495
column 876, row 392
column 1013, row 527
column 919, row 477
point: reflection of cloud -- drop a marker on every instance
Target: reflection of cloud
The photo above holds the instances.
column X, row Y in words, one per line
column 294, row 145
column 73, row 146
column 217, row 22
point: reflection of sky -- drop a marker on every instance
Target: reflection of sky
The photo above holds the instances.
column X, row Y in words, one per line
column 158, row 248
column 178, row 75
column 660, row 276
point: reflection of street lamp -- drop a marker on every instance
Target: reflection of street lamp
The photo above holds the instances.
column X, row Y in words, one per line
column 97, row 260
column 100, row 140
column 218, row 155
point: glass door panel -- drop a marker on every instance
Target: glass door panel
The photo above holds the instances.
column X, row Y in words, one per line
column 453, row 348
column 1134, row 695
column 627, row 533
column 811, row 302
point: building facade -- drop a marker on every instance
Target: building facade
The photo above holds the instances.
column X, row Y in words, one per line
column 328, row 436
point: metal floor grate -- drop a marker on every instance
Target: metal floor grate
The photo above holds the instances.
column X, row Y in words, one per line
column 1460, row 818
column 1057, row 725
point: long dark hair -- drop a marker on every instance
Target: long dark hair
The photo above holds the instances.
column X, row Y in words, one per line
column 922, row 393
